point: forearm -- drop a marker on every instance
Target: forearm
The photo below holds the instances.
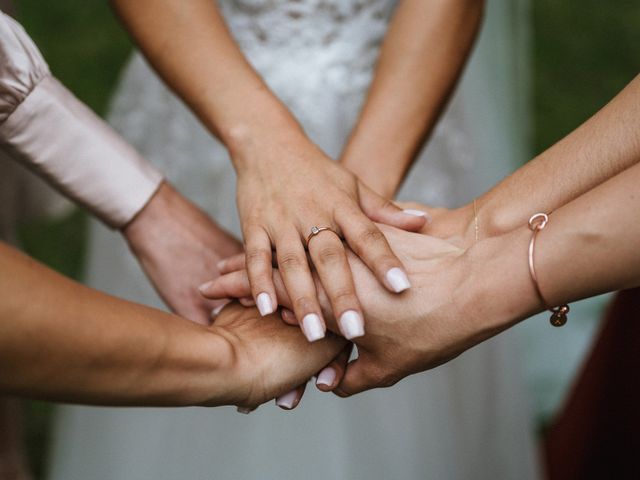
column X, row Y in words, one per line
column 189, row 45
column 590, row 246
column 420, row 61
column 62, row 341
column 602, row 147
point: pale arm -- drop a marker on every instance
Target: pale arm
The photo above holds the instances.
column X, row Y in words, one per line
column 602, row 147
column 421, row 59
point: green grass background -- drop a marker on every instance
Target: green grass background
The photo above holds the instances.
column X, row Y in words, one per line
column 584, row 51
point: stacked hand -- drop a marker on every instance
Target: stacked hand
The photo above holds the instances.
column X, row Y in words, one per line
column 436, row 320
column 286, row 189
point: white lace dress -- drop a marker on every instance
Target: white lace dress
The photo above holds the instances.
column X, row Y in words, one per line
column 467, row 420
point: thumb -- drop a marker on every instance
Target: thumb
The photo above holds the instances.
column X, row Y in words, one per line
column 381, row 210
column 357, row 378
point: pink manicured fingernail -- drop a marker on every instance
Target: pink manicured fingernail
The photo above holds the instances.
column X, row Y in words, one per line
column 247, row 302
column 287, row 315
column 326, row 377
column 417, row 213
column 398, row 280
column 312, row 327
column 245, row 410
column 205, row 286
column 217, row 310
column 288, row 400
column 352, row 324
column 265, row 306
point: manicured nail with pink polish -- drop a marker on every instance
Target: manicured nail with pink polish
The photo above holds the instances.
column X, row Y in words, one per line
column 312, row 327
column 246, row 301
column 217, row 310
column 287, row 315
column 417, row 213
column 398, row 280
column 288, row 400
column 244, row 410
column 205, row 286
column 351, row 324
column 326, row 377
column 265, row 306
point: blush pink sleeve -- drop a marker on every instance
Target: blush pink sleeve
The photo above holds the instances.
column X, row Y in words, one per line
column 45, row 127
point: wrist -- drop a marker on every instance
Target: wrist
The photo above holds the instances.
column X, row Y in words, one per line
column 268, row 128
column 199, row 363
column 498, row 290
column 154, row 210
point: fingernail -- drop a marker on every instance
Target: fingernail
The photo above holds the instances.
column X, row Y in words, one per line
column 287, row 315
column 205, row 286
column 221, row 264
column 326, row 377
column 247, row 302
column 264, row 304
column 312, row 327
column 398, row 280
column 288, row 400
column 351, row 324
column 244, row 410
column 217, row 310
column 417, row 213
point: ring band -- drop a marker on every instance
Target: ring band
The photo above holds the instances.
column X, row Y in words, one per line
column 316, row 230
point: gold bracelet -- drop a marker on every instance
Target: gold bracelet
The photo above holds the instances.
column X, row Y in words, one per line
column 558, row 314
column 476, row 226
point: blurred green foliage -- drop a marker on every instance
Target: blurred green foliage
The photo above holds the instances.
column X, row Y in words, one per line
column 82, row 41
column 584, row 52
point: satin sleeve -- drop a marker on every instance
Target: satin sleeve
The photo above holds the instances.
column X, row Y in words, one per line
column 45, row 127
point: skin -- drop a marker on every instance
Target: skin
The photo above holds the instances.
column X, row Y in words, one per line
column 179, row 247
column 421, row 59
column 92, row 345
column 286, row 184
column 466, row 291
column 605, row 145
column 463, row 297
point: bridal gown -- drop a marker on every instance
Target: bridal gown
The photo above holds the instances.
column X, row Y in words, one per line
column 469, row 419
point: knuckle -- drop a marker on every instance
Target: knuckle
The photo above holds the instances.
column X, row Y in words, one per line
column 343, row 295
column 370, row 235
column 256, row 256
column 330, row 255
column 303, row 304
column 290, row 261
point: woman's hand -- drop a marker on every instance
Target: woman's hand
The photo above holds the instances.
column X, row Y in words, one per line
column 268, row 357
column 458, row 299
column 284, row 189
column 462, row 226
column 178, row 247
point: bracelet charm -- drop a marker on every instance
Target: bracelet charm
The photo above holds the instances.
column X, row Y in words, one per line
column 558, row 314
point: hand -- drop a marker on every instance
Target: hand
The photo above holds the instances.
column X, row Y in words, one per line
column 459, row 298
column 293, row 188
column 179, row 247
column 270, row 358
column 455, row 225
